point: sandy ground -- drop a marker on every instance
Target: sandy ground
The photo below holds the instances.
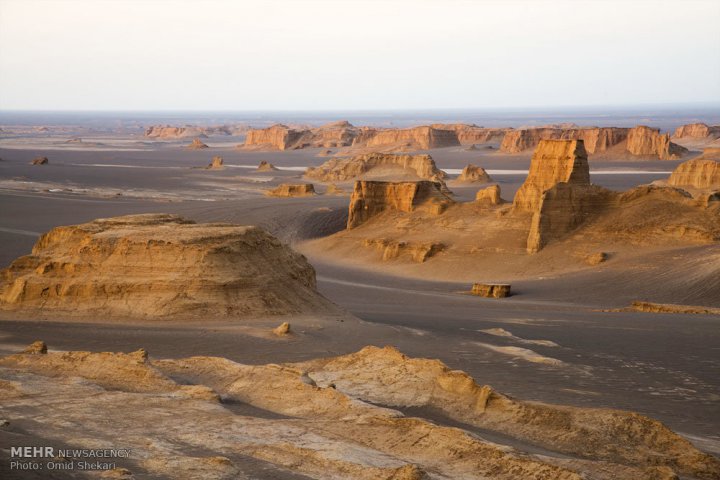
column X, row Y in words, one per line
column 554, row 344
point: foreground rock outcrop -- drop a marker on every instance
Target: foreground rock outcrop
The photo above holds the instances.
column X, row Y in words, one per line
column 292, row 190
column 322, row 418
column 646, row 141
column 377, row 165
column 371, row 198
column 701, row 174
column 156, row 266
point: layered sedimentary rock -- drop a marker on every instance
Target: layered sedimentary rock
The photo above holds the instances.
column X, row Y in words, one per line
column 391, row 249
column 321, row 419
column 370, row 198
column 474, row 174
column 490, row 195
column 353, row 168
column 169, row 132
column 159, row 265
column 697, row 130
column 554, row 161
column 596, row 139
column 292, row 190
column 472, row 134
column 282, row 137
column 39, row 161
column 703, row 174
column 420, row 138
column 265, row 166
column 646, row 141
column 196, row 144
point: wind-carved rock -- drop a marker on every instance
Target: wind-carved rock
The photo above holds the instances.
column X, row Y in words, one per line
column 475, row 174
column 596, row 139
column 371, row 198
column 702, row 174
column 490, row 195
column 292, row 190
column 216, row 163
column 697, row 130
column 196, row 144
column 557, row 191
column 341, row 170
column 159, row 265
column 282, row 137
column 265, row 166
column 646, row 141
column 391, row 249
column 421, row 138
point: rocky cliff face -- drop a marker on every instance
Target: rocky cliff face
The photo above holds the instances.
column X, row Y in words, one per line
column 420, row 138
column 595, row 139
column 472, row 134
column 340, row 170
column 646, row 141
column 702, row 174
column 159, row 265
column 553, row 162
column 474, row 174
column 281, row 137
column 370, row 198
column 697, row 130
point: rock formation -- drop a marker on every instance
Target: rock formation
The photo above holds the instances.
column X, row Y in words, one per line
column 39, row 161
column 474, row 174
column 196, row 144
column 596, row 258
column 159, row 265
column 472, row 134
column 491, row 290
column 169, row 132
column 554, row 161
column 361, row 166
column 596, row 139
column 391, row 249
column 646, row 141
column 216, row 164
column 489, row 195
column 701, row 174
column 282, row 329
column 370, row 198
column 266, row 166
column 292, row 190
column 697, row 130
column 333, row 189
column 418, row 138
column 282, row 137
column 322, row 419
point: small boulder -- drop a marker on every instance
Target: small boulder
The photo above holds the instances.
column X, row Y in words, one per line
column 282, row 329
column 38, row 347
column 266, row 166
column 216, row 164
column 596, row 258
column 40, row 161
column 491, row 290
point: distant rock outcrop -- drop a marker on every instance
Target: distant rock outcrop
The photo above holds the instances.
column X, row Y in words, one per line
column 216, row 164
column 196, row 144
column 697, row 130
column 474, row 174
column 491, row 290
column 265, row 166
column 418, row 251
column 159, row 265
column 40, row 161
column 292, row 190
column 370, row 198
column 596, row 139
column 418, row 138
column 282, row 137
column 646, row 141
column 342, row 170
column 167, row 132
column 697, row 173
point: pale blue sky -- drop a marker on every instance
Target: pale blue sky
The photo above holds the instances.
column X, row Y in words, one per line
column 369, row 54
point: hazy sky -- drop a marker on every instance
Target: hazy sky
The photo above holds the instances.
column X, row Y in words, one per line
column 369, row 54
